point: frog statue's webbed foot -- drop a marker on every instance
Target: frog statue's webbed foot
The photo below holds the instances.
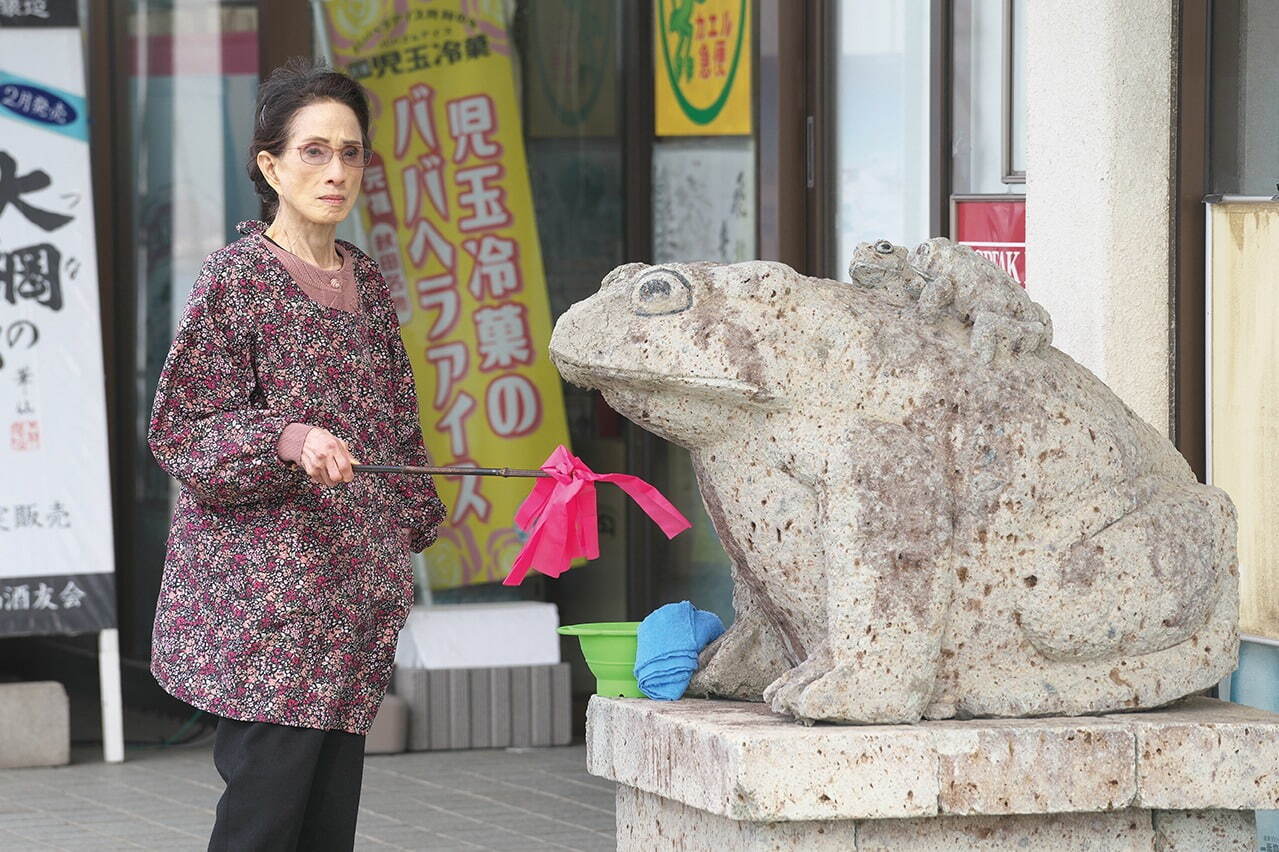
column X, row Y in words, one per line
column 994, row 334
column 742, row 662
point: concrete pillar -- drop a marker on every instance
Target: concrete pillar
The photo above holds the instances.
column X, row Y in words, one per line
column 1099, row 98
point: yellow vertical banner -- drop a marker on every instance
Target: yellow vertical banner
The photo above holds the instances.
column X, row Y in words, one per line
column 702, row 67
column 449, row 216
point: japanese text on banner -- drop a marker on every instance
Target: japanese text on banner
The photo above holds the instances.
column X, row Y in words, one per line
column 56, row 564
column 450, row 220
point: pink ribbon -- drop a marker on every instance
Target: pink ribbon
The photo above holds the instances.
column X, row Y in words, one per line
column 560, row 516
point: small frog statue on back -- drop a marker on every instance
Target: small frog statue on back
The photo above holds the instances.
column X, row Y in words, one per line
column 946, row 279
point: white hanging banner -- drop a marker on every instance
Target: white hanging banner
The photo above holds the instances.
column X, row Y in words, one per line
column 56, row 569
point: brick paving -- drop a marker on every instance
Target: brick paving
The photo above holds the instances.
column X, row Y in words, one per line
column 164, row 798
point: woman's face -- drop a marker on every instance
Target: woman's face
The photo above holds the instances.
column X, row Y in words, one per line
column 320, row 194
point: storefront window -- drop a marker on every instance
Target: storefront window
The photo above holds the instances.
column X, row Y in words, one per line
column 988, row 143
column 1242, row 322
column 988, row 97
column 882, row 137
column 1245, row 98
column 1015, row 91
column 191, row 87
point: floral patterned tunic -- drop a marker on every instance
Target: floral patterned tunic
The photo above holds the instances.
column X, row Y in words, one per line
column 282, row 599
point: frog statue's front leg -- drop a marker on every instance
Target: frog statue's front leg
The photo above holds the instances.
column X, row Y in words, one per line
column 743, row 661
column 886, row 527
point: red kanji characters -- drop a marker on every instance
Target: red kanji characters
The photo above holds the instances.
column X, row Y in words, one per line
column 386, row 246
column 471, row 120
column 502, row 336
column 496, row 272
column 721, row 57
column 386, row 250
column 378, row 199
column 487, row 203
column 383, row 240
column 24, row 436
column 503, row 339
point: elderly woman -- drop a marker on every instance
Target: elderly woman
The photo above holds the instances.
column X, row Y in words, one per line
column 288, row 577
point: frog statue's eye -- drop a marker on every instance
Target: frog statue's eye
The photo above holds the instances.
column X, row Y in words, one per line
column 662, row 291
column 884, row 247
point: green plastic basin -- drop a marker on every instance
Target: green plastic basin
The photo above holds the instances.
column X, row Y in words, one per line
column 609, row 649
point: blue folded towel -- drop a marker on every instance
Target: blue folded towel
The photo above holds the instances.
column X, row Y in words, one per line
column 668, row 641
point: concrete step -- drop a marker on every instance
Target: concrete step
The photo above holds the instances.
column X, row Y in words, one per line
column 35, row 724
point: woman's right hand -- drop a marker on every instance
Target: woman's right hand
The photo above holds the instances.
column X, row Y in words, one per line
column 326, row 458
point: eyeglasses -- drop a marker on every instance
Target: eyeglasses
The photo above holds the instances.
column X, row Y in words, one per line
column 352, row 156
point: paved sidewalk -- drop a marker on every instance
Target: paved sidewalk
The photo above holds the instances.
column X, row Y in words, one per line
column 165, row 798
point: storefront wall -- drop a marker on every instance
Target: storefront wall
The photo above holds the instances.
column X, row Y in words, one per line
column 1243, row 325
column 607, row 189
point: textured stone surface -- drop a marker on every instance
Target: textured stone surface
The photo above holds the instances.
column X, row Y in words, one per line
column 35, row 724
column 739, row 760
column 931, row 512
column 1226, row 758
column 1113, row 832
column 1033, row 765
column 646, row 821
column 1205, row 831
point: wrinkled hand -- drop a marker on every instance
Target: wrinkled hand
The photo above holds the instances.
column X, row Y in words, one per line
column 326, row 458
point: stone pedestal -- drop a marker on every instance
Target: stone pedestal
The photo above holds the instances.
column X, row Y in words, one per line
column 696, row 774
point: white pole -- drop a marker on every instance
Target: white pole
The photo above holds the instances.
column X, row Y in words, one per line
column 112, row 700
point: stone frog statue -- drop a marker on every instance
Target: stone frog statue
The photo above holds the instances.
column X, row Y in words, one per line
column 930, row 511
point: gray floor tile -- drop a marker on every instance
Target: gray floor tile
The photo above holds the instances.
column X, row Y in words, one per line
column 165, row 799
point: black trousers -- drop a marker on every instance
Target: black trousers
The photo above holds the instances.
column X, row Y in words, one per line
column 286, row 788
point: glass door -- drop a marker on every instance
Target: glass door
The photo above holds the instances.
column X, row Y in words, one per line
column 191, row 74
